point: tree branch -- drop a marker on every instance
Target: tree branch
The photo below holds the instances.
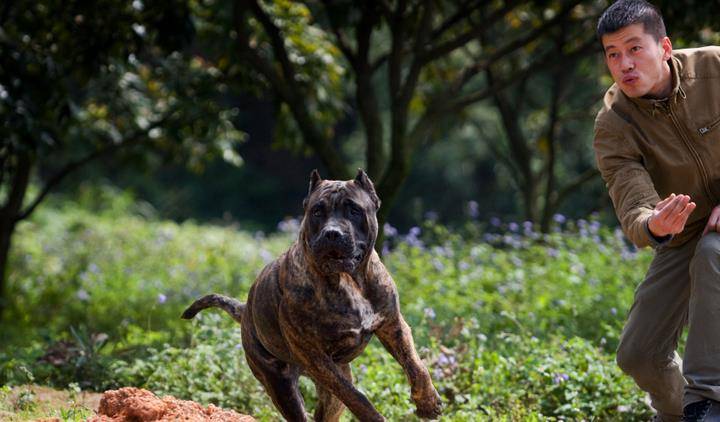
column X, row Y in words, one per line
column 548, row 62
column 464, row 10
column 583, row 178
column 133, row 139
column 464, row 38
column 285, row 85
column 340, row 37
column 482, row 65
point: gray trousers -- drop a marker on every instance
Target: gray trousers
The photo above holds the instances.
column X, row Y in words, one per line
column 681, row 287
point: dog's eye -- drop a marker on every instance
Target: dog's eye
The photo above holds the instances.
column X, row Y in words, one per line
column 317, row 212
column 355, row 211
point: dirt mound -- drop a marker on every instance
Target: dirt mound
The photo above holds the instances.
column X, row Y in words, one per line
column 134, row 404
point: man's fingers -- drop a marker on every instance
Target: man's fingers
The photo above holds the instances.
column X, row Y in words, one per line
column 673, row 208
column 685, row 213
column 678, row 221
column 660, row 205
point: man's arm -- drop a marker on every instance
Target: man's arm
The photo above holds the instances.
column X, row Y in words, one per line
column 645, row 219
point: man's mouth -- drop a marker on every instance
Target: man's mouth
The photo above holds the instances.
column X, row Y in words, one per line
column 630, row 79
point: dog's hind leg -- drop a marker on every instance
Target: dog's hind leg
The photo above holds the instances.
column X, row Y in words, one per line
column 330, row 407
column 233, row 307
column 279, row 378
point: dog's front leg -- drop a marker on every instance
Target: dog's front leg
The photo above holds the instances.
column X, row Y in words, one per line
column 326, row 373
column 396, row 336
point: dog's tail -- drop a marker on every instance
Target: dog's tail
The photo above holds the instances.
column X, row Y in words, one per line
column 233, row 307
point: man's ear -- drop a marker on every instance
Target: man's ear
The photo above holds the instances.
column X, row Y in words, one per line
column 315, row 180
column 366, row 184
column 666, row 45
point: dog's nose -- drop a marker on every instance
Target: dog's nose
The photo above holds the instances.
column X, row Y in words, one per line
column 333, row 234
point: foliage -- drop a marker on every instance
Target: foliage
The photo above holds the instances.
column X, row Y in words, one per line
column 116, row 80
column 512, row 323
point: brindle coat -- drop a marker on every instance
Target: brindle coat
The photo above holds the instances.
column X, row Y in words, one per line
column 315, row 308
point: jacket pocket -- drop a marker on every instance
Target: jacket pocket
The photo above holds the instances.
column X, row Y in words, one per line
column 707, row 128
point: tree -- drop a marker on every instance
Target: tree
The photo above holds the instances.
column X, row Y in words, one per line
column 412, row 66
column 81, row 82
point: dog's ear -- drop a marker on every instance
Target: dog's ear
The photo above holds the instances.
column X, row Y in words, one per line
column 366, row 184
column 315, row 180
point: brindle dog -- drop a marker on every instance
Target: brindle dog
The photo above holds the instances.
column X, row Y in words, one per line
column 315, row 308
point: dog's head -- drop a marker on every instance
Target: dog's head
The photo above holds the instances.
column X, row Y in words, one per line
column 340, row 226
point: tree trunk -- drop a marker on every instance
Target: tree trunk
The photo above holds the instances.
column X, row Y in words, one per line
column 20, row 170
column 6, row 231
column 388, row 192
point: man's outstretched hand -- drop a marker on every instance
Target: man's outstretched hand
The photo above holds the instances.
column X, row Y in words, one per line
column 671, row 214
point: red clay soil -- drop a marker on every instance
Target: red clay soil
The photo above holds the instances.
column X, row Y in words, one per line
column 137, row 405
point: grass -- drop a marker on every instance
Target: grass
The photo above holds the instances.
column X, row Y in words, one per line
column 513, row 324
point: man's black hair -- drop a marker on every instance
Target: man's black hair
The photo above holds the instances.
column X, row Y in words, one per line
column 623, row 13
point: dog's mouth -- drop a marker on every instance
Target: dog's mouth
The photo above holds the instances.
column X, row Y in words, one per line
column 336, row 255
column 335, row 261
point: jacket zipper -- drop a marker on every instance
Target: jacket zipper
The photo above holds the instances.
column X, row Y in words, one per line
column 708, row 128
column 693, row 152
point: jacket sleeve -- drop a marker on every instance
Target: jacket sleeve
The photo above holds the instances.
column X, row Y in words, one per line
column 631, row 189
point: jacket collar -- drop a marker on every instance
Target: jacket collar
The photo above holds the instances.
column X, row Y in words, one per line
column 676, row 94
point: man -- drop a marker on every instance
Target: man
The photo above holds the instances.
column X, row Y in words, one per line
column 658, row 136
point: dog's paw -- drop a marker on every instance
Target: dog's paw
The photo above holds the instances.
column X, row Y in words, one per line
column 429, row 407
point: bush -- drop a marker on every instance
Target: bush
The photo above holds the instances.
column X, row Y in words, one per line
column 513, row 324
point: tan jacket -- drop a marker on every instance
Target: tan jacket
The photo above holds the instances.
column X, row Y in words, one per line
column 647, row 149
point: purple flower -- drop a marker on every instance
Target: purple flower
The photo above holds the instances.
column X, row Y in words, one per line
column 431, row 215
column 161, row 298
column 559, row 218
column 429, row 313
column 473, row 209
column 559, row 378
column 415, row 231
column 82, row 295
column 289, row 225
column 266, row 256
column 445, row 360
column 513, row 226
column 389, row 230
column 495, row 222
column 528, row 227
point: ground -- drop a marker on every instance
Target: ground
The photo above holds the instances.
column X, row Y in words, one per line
column 46, row 404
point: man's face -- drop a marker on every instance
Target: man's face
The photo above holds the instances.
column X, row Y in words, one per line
column 637, row 62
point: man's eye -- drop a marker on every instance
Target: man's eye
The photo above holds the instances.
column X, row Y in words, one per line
column 636, row 48
column 612, row 55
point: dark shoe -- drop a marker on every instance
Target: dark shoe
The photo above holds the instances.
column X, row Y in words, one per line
column 702, row 411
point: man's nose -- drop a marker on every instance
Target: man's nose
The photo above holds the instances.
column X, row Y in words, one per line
column 627, row 64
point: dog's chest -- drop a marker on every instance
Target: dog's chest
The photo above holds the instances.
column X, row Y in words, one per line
column 344, row 320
